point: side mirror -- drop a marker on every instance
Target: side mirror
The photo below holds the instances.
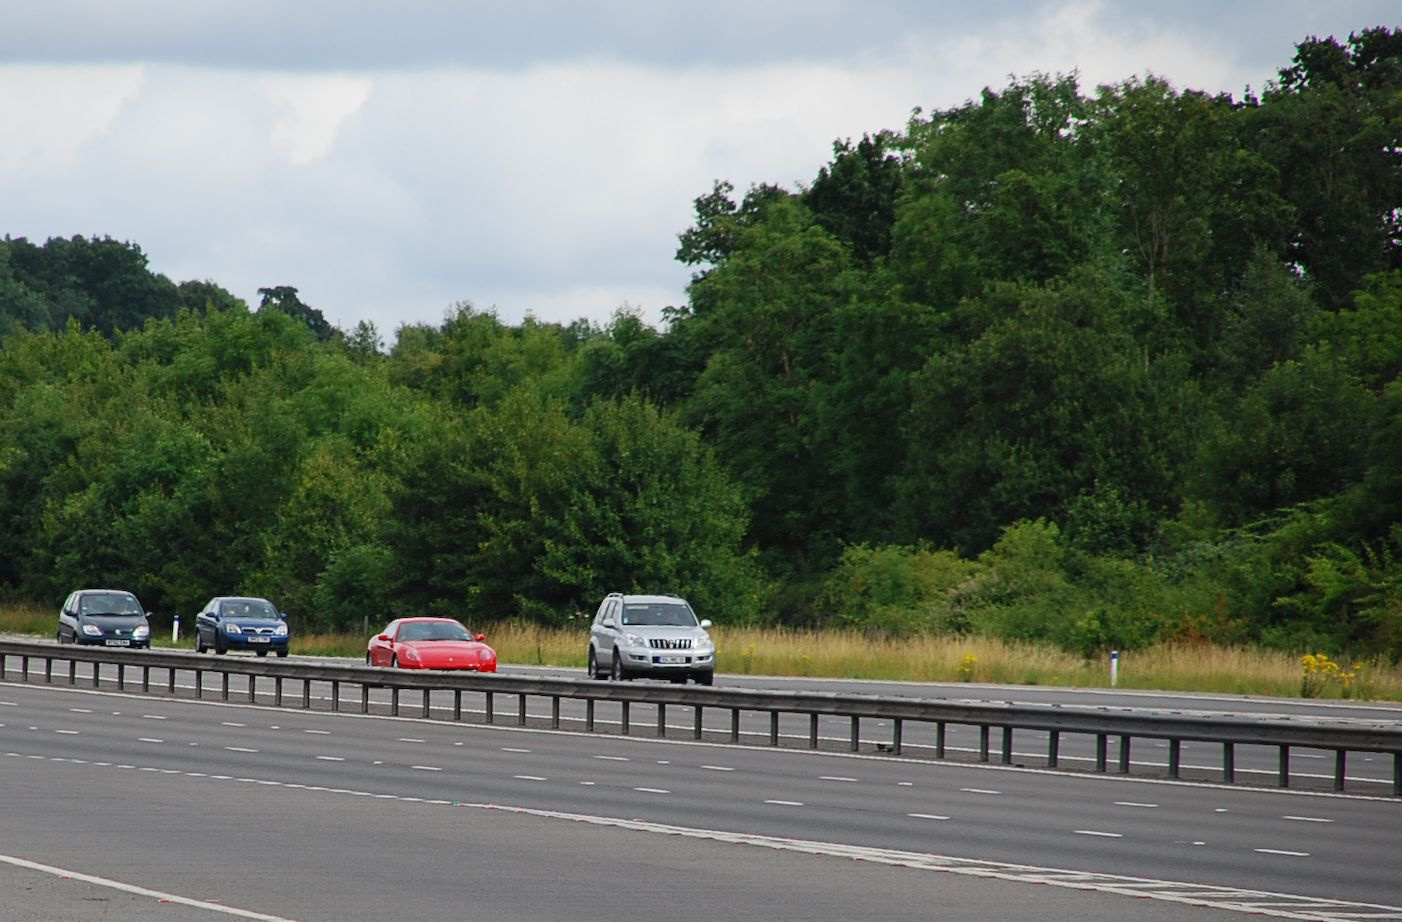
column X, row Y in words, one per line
column 481, row 637
column 705, row 622
column 384, row 638
column 282, row 615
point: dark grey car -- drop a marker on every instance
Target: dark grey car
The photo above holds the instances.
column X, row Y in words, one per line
column 650, row 635
column 103, row 617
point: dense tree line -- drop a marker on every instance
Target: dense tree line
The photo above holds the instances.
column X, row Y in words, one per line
column 1096, row 368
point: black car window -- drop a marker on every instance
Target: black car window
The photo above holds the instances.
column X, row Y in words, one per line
column 109, row 603
column 660, row 614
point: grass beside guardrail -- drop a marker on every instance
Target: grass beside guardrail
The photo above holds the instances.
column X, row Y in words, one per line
column 850, row 654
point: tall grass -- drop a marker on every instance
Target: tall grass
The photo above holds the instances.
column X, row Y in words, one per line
column 854, row 655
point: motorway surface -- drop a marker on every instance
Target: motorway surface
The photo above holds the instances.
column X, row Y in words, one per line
column 207, row 810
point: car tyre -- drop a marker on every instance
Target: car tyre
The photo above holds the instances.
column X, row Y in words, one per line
column 261, row 652
column 219, row 648
column 393, row 661
column 616, row 673
column 594, row 671
column 199, row 643
column 281, row 653
column 705, row 678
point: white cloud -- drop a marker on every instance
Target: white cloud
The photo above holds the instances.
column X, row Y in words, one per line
column 50, row 113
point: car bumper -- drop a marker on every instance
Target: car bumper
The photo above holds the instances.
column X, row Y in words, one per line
column 482, row 667
column 253, row 642
column 126, row 642
column 667, row 663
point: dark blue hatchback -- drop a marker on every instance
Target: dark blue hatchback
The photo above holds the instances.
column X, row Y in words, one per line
column 239, row 623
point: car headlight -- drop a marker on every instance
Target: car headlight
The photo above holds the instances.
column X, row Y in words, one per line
column 141, row 633
column 705, row 643
column 92, row 630
column 634, row 640
column 231, row 628
column 409, row 653
column 281, row 630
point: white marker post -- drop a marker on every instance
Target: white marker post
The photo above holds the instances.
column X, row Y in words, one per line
column 175, row 629
column 1114, row 668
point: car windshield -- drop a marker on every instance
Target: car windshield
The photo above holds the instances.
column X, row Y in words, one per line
column 110, row 603
column 248, row 608
column 669, row 614
column 433, row 630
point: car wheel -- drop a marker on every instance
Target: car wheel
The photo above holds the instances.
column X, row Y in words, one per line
column 261, row 652
column 219, row 649
column 679, row 679
column 58, row 638
column 393, row 661
column 705, row 678
column 199, row 643
column 367, row 658
column 616, row 672
column 594, row 671
column 281, row 653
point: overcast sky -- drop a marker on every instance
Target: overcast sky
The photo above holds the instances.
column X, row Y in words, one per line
column 389, row 159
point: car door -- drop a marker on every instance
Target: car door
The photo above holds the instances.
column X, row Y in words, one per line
column 204, row 624
column 68, row 618
column 606, row 632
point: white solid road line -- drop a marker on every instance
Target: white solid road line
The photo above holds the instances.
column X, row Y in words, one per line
column 141, row 891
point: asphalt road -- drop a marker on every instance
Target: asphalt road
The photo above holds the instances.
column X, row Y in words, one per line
column 311, row 815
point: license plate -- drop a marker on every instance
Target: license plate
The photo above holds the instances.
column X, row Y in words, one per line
column 257, row 640
column 117, row 643
column 671, row 660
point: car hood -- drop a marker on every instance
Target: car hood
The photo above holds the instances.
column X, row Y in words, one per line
column 252, row 622
column 114, row 621
column 450, row 652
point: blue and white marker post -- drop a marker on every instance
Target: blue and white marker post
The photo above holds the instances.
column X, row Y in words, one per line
column 175, row 629
column 1114, row 668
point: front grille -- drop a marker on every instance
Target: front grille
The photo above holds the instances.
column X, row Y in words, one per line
column 259, row 630
column 669, row 643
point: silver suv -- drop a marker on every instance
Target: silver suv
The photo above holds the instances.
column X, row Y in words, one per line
column 650, row 635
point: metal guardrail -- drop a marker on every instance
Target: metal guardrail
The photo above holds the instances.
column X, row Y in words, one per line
column 1230, row 731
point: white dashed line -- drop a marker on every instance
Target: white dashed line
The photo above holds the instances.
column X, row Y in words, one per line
column 1281, row 851
column 425, row 768
column 409, row 739
column 528, row 778
column 81, row 710
column 1307, row 819
column 67, row 732
column 152, row 717
column 147, row 739
column 979, row 791
column 331, row 758
column 512, row 749
column 651, row 791
column 239, row 749
column 926, row 816
column 230, row 723
column 1103, row 835
column 717, row 768
column 836, row 778
column 1131, row 803
column 318, row 732
column 786, row 803
column 614, row 758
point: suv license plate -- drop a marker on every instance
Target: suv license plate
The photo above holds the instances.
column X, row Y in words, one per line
column 117, row 643
column 671, row 660
column 257, row 640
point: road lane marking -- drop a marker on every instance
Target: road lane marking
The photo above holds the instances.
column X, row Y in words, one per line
column 230, row 723
column 513, row 749
column 152, row 717
column 1131, row 803
column 239, row 749
column 147, row 739
column 836, row 778
column 331, row 758
column 139, row 891
column 1094, row 832
column 409, row 739
column 979, row 791
column 81, row 710
column 717, row 768
column 318, row 732
column 1307, row 819
column 652, row 790
column 67, row 732
column 613, row 758
column 927, row 816
column 528, row 778
column 1281, row 851
column 426, row 768
column 786, row 803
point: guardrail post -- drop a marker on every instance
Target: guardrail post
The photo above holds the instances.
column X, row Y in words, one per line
column 554, row 712
column 199, row 684
column 696, row 723
column 24, row 668
column 426, row 708
column 49, row 669
column 1175, row 756
column 896, row 736
column 521, row 710
column 252, row 689
column 490, row 708
column 1340, row 758
column 1124, row 754
column 939, row 739
column 307, row 693
column 589, row 715
column 2, row 666
column 1008, row 745
column 813, row 730
column 94, row 675
column 277, row 691
column 364, row 698
column 1101, row 743
column 224, row 686
column 457, row 704
column 983, row 742
column 394, row 701
column 625, row 718
column 335, row 695
column 1397, row 774
column 773, row 728
column 735, row 725
column 172, row 680
column 1284, row 780
column 1228, row 763
column 145, row 679
column 72, row 672
column 121, row 676
column 856, row 733
column 661, row 718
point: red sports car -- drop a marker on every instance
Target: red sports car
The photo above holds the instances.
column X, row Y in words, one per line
column 430, row 643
